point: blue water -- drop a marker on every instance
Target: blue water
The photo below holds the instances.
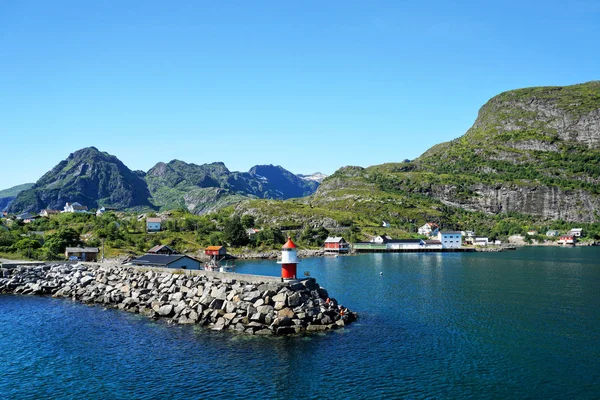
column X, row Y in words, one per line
column 520, row 324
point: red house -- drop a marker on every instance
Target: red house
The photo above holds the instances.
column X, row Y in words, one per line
column 337, row 245
column 215, row 251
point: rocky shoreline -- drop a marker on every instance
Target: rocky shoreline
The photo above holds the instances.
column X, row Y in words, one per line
column 187, row 297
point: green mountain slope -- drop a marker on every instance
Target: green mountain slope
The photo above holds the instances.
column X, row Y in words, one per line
column 90, row 177
column 8, row 195
column 532, row 154
column 208, row 187
column 15, row 190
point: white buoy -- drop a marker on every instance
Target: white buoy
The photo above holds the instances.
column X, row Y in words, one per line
column 381, row 273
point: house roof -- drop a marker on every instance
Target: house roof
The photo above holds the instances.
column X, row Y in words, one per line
column 159, row 247
column 407, row 241
column 451, row 233
column 151, row 219
column 81, row 249
column 214, row 248
column 159, row 259
column 433, row 242
column 576, row 230
column 334, row 239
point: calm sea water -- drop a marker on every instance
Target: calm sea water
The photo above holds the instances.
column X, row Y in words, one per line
column 520, row 324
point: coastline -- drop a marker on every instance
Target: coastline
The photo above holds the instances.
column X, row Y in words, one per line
column 249, row 304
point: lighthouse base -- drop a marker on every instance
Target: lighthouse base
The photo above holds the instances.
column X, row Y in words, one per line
column 288, row 271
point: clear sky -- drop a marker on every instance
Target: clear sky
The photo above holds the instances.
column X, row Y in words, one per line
column 308, row 85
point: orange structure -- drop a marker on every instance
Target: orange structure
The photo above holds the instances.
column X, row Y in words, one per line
column 289, row 260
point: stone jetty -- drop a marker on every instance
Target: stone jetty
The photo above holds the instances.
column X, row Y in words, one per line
column 234, row 302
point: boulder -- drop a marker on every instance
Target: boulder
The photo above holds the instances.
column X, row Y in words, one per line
column 294, row 299
column 286, row 313
column 166, row 310
column 280, row 297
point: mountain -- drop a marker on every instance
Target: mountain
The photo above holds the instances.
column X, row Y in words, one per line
column 204, row 188
column 534, row 151
column 8, row 195
column 278, row 183
column 94, row 178
column 316, row 177
column 532, row 154
column 87, row 176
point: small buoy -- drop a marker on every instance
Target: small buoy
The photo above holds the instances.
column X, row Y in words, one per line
column 381, row 273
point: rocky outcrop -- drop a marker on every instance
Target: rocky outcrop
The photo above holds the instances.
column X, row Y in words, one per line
column 256, row 308
column 545, row 201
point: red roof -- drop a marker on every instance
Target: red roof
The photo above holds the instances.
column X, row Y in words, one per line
column 289, row 244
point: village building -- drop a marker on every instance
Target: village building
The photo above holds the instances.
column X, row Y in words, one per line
column 405, row 244
column 532, row 232
column 552, row 233
column 568, row 239
column 216, row 251
column 380, row 239
column 450, row 239
column 81, row 253
column 252, row 231
column 336, row 244
column 481, row 241
column 75, row 208
column 467, row 234
column 429, row 229
column 386, row 224
column 162, row 249
column 177, row 261
column 577, row 232
column 433, row 244
column 47, row 213
column 26, row 217
column 153, row 224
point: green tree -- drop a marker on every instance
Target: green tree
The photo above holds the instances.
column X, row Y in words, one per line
column 234, row 232
column 248, row 221
column 215, row 239
column 61, row 239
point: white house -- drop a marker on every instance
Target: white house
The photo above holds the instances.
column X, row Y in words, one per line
column 47, row 212
column 577, row 232
column 381, row 239
column 429, row 229
column 385, row 224
column 75, row 208
column 468, row 234
column 399, row 244
column 552, row 233
column 481, row 241
column 450, row 239
column 153, row 224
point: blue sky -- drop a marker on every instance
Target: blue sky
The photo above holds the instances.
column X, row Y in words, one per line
column 311, row 86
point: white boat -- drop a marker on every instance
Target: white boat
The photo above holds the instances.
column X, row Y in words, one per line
column 215, row 265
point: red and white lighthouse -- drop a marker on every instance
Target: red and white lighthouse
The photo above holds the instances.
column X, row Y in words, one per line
column 289, row 260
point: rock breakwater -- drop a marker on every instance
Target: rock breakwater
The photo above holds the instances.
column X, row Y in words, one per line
column 187, row 297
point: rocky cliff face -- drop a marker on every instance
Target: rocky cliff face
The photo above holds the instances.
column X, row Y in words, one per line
column 542, row 201
column 534, row 151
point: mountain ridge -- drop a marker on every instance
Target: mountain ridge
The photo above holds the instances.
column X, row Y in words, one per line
column 94, row 178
